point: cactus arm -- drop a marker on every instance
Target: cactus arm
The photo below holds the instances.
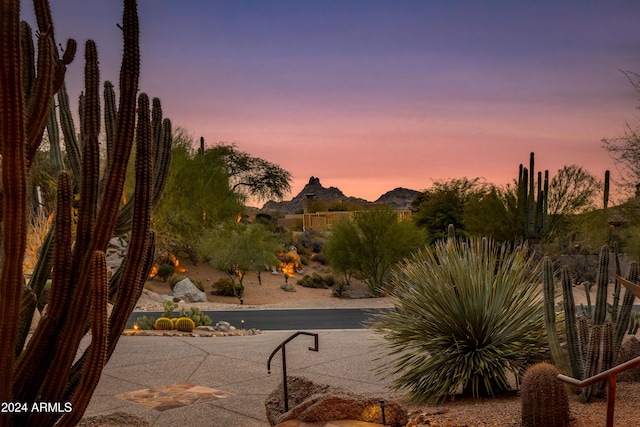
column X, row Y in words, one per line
column 125, row 123
column 69, row 132
column 14, row 185
column 54, row 140
column 28, row 53
column 627, row 307
column 97, row 352
column 62, row 256
column 573, row 345
column 602, row 283
column 550, row 315
column 139, row 244
column 44, row 89
column 593, row 358
column 35, row 360
column 90, row 157
column 616, row 290
column 109, row 128
column 162, row 161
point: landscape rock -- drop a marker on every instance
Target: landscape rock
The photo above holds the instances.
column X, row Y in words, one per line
column 288, row 286
column 223, row 326
column 150, row 296
column 186, row 288
column 118, row 243
column 309, row 402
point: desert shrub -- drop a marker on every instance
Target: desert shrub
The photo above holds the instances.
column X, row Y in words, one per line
column 165, row 271
column 226, row 287
column 198, row 284
column 146, row 323
column 311, row 241
column 465, row 314
column 317, row 281
column 341, row 289
column 199, row 318
column 320, row 258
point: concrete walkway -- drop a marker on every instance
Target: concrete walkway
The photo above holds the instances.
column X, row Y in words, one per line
column 235, row 368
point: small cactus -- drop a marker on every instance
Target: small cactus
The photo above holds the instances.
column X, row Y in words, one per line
column 164, row 324
column 184, row 324
column 544, row 398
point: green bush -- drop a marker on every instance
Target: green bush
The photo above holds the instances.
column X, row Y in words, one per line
column 198, row 284
column 226, row 287
column 146, row 323
column 317, row 281
column 199, row 318
column 165, row 271
column 341, row 289
column 466, row 313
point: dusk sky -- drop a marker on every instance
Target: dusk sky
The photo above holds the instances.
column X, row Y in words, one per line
column 371, row 95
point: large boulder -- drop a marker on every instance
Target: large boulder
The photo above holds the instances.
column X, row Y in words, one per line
column 309, row 402
column 186, row 288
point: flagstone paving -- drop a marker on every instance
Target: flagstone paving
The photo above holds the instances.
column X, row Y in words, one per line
column 173, row 396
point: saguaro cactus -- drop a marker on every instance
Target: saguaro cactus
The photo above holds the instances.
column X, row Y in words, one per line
column 532, row 204
column 46, row 368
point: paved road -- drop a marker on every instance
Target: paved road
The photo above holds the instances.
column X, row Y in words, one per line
column 288, row 319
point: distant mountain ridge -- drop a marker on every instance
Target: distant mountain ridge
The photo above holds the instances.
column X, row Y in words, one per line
column 398, row 198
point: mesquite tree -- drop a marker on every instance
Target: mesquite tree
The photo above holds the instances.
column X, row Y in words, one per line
column 46, row 368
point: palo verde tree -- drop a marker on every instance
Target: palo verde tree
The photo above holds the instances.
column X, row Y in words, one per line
column 443, row 204
column 493, row 214
column 237, row 249
column 47, row 368
column 197, row 198
column 252, row 176
column 369, row 245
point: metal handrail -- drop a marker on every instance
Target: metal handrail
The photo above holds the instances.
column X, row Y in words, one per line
column 609, row 374
column 284, row 361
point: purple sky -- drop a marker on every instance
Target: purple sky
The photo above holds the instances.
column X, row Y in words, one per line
column 371, row 95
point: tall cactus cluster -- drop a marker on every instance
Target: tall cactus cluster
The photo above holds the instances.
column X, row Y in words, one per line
column 593, row 337
column 532, row 202
column 46, row 367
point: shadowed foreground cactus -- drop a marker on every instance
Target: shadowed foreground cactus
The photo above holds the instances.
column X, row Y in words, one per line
column 544, row 397
column 48, row 368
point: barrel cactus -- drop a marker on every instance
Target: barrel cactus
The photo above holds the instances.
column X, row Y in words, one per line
column 544, row 397
column 184, row 324
column 164, row 324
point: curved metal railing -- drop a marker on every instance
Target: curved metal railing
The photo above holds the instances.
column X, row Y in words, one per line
column 284, row 362
column 609, row 374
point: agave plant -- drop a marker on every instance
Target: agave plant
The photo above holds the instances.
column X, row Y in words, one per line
column 466, row 314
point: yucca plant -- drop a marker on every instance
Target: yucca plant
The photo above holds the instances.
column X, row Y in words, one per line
column 466, row 313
